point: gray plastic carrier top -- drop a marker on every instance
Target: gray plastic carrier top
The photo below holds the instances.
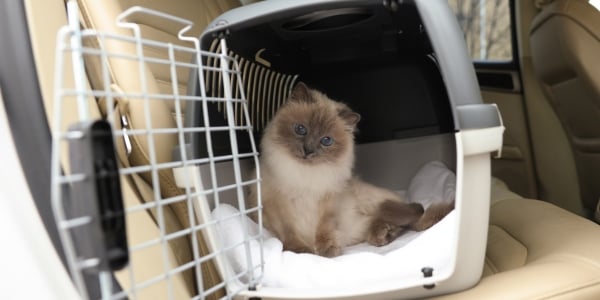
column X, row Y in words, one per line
column 366, row 50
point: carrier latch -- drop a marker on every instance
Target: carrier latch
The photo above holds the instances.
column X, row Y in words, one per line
column 96, row 196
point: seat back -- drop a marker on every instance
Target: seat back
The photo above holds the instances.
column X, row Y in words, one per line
column 565, row 43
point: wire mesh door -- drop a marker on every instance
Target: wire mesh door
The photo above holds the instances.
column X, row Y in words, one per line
column 132, row 202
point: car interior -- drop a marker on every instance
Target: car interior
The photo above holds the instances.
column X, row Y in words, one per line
column 542, row 236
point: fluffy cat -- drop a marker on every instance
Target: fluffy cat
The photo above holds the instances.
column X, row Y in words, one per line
column 311, row 200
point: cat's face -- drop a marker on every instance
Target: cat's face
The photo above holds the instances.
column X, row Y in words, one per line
column 313, row 129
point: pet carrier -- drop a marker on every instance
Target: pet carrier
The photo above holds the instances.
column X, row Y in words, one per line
column 401, row 64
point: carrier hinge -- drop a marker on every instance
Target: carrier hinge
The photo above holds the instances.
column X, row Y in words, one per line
column 221, row 34
column 428, row 272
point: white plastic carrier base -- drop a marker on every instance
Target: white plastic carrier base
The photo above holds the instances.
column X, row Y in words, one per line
column 392, row 164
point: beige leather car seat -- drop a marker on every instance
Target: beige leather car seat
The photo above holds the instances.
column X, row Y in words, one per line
column 535, row 250
column 565, row 43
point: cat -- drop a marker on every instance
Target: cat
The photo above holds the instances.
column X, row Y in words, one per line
column 311, row 199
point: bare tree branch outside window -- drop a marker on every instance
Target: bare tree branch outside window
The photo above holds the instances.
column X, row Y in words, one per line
column 496, row 37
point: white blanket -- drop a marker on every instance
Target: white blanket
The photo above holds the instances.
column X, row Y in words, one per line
column 359, row 264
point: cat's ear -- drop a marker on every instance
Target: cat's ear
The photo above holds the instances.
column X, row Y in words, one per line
column 301, row 93
column 350, row 117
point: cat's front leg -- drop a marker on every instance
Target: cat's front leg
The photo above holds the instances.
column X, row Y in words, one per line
column 327, row 245
column 326, row 239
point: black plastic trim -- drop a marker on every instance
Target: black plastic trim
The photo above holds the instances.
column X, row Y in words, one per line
column 104, row 237
column 496, row 80
column 513, row 31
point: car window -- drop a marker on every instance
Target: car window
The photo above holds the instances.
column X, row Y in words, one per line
column 494, row 42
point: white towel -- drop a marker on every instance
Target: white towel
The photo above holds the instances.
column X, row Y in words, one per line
column 359, row 264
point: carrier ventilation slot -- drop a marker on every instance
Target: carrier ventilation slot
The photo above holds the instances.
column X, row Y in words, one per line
column 264, row 88
column 328, row 19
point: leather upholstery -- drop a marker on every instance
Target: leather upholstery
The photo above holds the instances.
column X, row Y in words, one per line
column 536, row 250
column 565, row 42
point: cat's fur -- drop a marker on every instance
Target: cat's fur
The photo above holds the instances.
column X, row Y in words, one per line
column 311, row 200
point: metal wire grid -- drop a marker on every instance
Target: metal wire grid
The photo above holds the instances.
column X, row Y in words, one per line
column 195, row 197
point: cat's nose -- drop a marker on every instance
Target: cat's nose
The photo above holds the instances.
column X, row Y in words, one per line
column 308, row 152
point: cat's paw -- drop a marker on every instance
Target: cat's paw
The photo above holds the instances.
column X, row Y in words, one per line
column 299, row 249
column 296, row 246
column 382, row 233
column 432, row 215
column 329, row 251
column 327, row 246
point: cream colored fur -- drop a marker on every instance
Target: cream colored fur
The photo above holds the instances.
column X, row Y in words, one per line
column 320, row 207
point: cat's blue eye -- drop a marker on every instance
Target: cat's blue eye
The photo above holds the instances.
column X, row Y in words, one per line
column 326, row 141
column 300, row 129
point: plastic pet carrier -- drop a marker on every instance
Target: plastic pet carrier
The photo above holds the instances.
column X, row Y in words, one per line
column 424, row 132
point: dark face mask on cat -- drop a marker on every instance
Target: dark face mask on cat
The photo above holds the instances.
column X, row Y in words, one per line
column 311, row 144
column 313, row 133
